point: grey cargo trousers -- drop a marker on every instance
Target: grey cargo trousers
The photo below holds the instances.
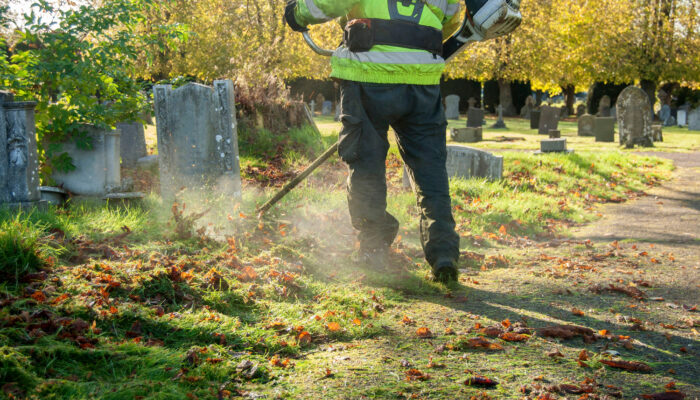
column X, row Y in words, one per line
column 416, row 114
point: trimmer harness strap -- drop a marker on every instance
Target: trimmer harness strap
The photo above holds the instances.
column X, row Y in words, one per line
column 362, row 34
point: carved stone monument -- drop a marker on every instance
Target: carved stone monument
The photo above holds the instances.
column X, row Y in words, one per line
column 535, row 119
column 694, row 119
column 604, row 129
column 500, row 123
column 452, row 106
column 197, row 138
column 97, row 170
column 133, row 143
column 475, row 117
column 467, row 135
column 634, row 117
column 585, row 125
column 549, row 119
column 467, row 162
column 19, row 166
column 604, row 107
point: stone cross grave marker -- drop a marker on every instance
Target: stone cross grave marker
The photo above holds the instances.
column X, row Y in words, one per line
column 312, row 107
column 197, row 138
column 19, row 160
column 132, row 143
column 468, row 162
column 549, row 119
column 500, row 123
column 634, row 117
column 585, row 125
column 452, row 106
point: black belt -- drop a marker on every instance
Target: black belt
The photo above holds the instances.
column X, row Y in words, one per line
column 362, row 34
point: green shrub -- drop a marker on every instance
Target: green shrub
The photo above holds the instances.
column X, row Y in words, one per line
column 21, row 250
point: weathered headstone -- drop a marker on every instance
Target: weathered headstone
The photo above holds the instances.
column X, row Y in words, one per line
column 500, row 123
column 585, row 125
column 580, row 110
column 554, row 134
column 604, row 129
column 563, row 112
column 467, row 135
column 452, row 106
column 133, row 143
column 312, row 107
column 634, row 117
column 549, row 119
column 657, row 133
column 528, row 107
column 336, row 118
column 604, row 106
column 665, row 115
column 327, row 108
column 553, row 145
column 475, row 117
column 197, row 138
column 97, row 170
column 467, row 162
column 535, row 119
column 682, row 117
column 694, row 119
column 19, row 165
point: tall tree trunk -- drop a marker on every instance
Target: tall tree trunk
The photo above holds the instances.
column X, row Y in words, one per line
column 649, row 87
column 570, row 97
column 505, row 98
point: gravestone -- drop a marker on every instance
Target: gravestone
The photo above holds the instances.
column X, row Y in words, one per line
column 657, row 133
column 19, row 160
column 634, row 117
column 97, row 170
column 452, row 106
column 580, row 110
column 500, row 124
column 467, row 162
column 557, row 145
column 554, row 134
column 528, row 107
column 336, row 118
column 133, row 143
column 549, row 119
column 327, row 108
column 564, row 112
column 604, row 129
column 475, row 117
column 694, row 119
column 585, row 125
column 604, row 107
column 682, row 117
column 665, row 115
column 471, row 102
column 466, row 135
column 197, row 138
column 312, row 107
column 535, row 119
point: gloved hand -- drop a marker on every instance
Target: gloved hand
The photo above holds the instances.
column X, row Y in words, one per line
column 291, row 20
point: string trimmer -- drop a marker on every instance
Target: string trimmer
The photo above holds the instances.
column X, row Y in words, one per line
column 483, row 20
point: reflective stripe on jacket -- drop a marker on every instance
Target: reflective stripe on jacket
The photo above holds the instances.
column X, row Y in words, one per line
column 385, row 64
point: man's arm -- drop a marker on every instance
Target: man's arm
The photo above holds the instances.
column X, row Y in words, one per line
column 308, row 12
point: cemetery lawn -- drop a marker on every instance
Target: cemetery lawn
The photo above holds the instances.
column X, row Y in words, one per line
column 142, row 302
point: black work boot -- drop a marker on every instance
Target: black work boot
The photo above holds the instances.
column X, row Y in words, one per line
column 445, row 270
column 374, row 259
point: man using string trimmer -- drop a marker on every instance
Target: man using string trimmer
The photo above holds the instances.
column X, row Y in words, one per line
column 389, row 67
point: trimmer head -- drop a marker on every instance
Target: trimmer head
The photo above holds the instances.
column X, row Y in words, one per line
column 484, row 19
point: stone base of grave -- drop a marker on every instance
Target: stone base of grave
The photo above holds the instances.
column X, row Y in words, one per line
column 120, row 198
column 148, row 161
column 553, row 146
column 467, row 135
column 499, row 125
column 53, row 195
column 41, row 205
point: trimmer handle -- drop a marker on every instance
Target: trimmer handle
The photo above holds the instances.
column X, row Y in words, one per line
column 316, row 48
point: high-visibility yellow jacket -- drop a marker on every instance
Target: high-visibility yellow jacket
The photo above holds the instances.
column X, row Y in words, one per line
column 383, row 63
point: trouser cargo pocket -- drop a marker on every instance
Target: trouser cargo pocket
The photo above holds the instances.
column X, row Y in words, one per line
column 349, row 139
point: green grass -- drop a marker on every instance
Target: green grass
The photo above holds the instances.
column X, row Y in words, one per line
column 154, row 315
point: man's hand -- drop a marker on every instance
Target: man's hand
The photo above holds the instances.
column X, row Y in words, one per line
column 291, row 20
